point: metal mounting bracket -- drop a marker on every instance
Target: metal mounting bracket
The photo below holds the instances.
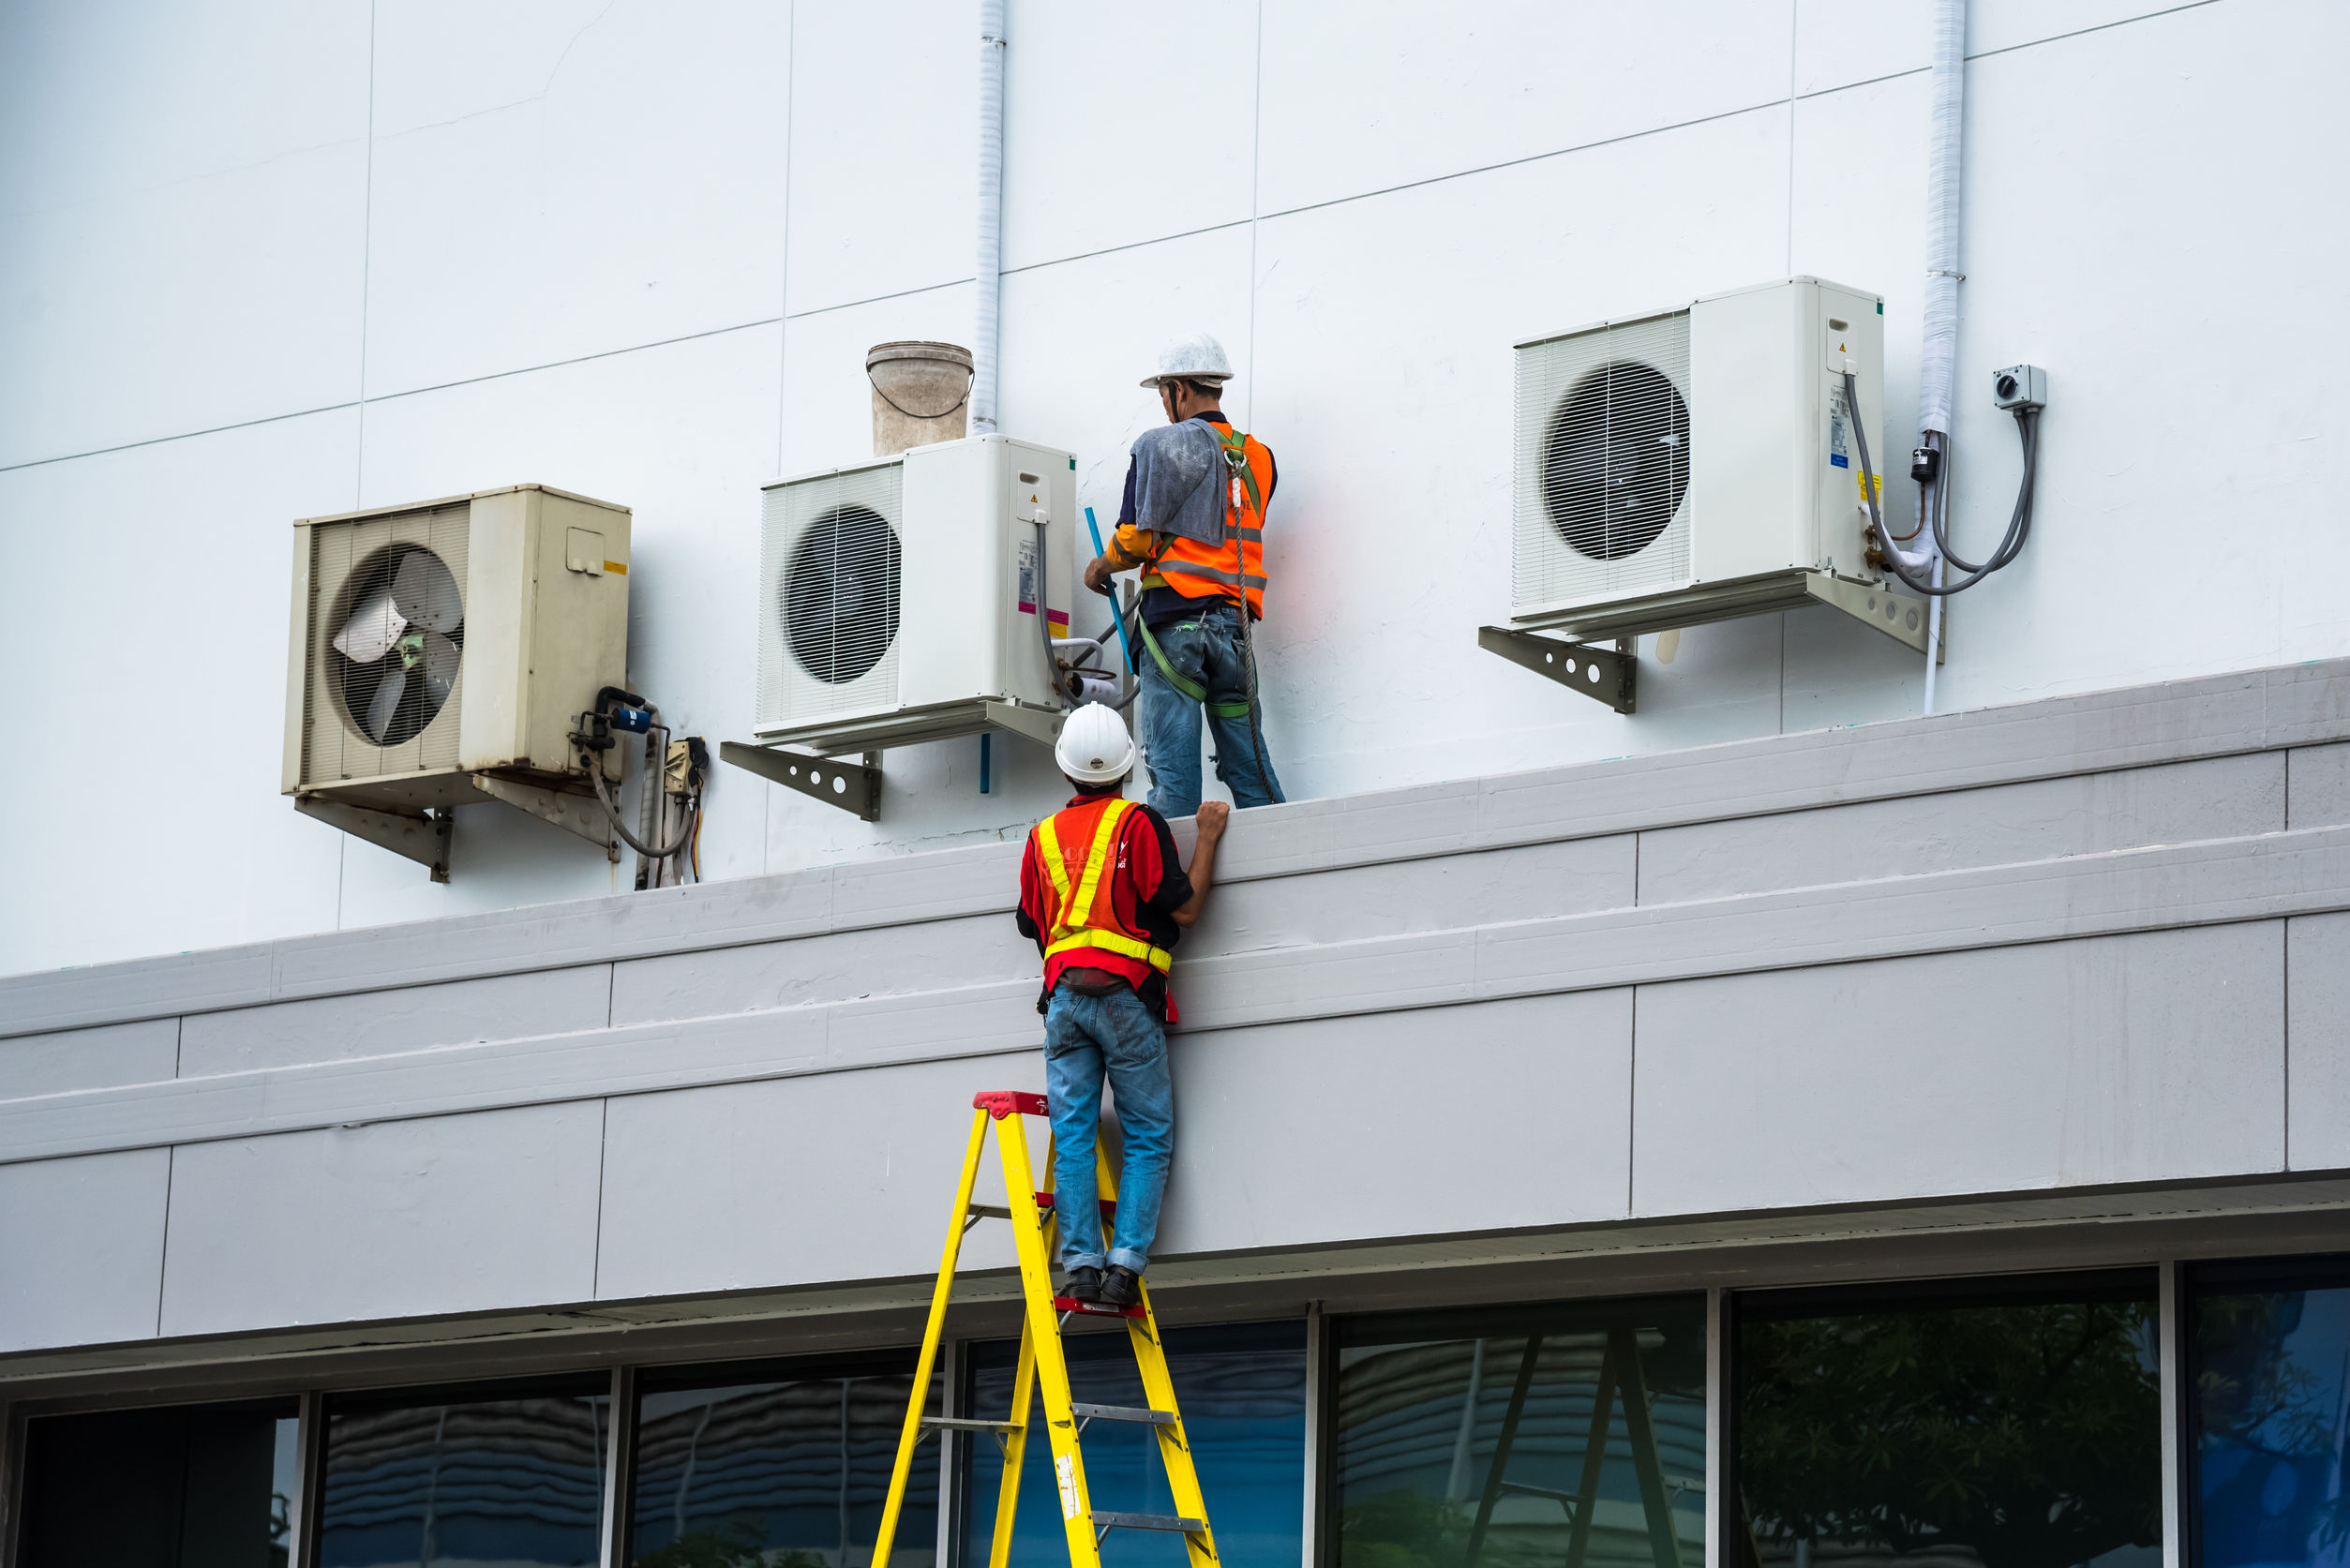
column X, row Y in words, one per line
column 1040, row 724
column 422, row 836
column 1605, row 675
column 582, row 814
column 853, row 787
column 1898, row 616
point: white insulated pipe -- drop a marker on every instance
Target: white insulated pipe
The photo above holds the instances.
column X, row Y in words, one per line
column 1938, row 356
column 988, row 269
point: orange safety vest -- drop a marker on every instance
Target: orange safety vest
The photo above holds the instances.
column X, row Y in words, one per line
column 1078, row 849
column 1234, row 568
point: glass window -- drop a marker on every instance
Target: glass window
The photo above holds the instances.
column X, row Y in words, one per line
column 514, row 1477
column 1522, row 1437
column 2015, row 1424
column 2268, row 1413
column 777, row 1466
column 200, row 1486
column 1243, row 1391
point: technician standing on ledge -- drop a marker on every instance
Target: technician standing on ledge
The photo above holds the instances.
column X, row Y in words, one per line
column 1194, row 519
column 1101, row 894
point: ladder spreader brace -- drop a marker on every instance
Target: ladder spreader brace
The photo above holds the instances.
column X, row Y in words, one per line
column 1042, row 1368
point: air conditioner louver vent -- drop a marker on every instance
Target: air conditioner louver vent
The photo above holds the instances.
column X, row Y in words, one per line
column 1603, row 463
column 388, row 641
column 833, row 563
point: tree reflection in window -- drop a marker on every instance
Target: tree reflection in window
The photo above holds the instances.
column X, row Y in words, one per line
column 2015, row 1426
column 2270, row 1414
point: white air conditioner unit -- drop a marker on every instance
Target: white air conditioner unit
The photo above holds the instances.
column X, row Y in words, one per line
column 442, row 653
column 899, row 599
column 1700, row 463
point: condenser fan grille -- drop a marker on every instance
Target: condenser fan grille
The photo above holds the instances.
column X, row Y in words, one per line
column 387, row 642
column 841, row 593
column 833, row 563
column 1603, row 464
column 1616, row 461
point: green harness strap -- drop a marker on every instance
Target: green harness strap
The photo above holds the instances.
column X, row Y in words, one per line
column 1190, row 690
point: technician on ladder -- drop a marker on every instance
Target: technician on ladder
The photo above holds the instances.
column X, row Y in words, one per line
column 1194, row 519
column 1102, row 895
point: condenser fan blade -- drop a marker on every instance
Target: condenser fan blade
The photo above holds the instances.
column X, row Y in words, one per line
column 426, row 592
column 387, row 706
column 372, row 629
column 440, row 656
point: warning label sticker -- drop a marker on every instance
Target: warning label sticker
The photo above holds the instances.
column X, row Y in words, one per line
column 1837, row 457
column 1064, row 1470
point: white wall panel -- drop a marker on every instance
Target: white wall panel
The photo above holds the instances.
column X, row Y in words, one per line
column 157, row 646
column 2317, row 1029
column 381, row 1022
column 84, row 1244
column 1089, row 162
column 884, row 101
column 682, row 435
column 2134, row 1058
column 575, row 178
column 453, row 1213
column 2172, row 437
column 1382, row 94
column 99, row 1058
column 1527, row 1102
column 153, row 280
column 850, row 1175
column 2317, row 786
column 2085, row 815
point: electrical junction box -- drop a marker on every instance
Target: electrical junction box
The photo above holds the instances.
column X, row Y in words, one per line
column 1700, row 463
column 900, row 600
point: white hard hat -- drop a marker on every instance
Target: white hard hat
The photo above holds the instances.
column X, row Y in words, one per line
column 1094, row 747
column 1192, row 357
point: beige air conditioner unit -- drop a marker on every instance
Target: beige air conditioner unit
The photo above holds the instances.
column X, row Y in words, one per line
column 442, row 653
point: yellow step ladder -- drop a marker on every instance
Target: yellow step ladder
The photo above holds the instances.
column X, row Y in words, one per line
column 1041, row 1365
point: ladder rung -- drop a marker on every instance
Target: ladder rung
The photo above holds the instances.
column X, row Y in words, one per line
column 1147, row 1521
column 1123, row 1413
column 1109, row 1205
column 990, row 1211
column 1094, row 1309
column 955, row 1423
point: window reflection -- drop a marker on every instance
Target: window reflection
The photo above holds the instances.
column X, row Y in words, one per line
column 748, row 1471
column 515, row 1479
column 1522, row 1437
column 2269, row 1410
column 1243, row 1393
column 201, row 1486
column 2013, row 1424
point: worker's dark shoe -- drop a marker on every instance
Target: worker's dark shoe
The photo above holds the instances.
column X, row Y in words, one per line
column 1121, row 1287
column 1085, row 1284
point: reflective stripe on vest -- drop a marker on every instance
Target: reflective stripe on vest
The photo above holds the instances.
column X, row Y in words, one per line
column 1233, row 568
column 1070, row 928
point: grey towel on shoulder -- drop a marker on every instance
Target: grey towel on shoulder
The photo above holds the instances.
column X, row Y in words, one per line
column 1178, row 481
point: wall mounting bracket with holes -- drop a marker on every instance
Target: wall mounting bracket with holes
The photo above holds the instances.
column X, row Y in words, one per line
column 1604, row 674
column 422, row 836
column 853, row 787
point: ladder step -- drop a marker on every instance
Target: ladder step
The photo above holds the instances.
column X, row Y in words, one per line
column 990, row 1211
column 1123, row 1413
column 1094, row 1309
column 955, row 1423
column 1147, row 1521
column 1109, row 1205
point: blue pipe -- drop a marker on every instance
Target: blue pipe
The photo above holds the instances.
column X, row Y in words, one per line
column 1118, row 611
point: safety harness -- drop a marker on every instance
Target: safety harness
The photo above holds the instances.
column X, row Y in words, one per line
column 1242, row 478
column 1067, row 932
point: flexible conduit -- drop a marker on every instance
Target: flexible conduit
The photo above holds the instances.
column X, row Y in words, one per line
column 989, row 263
column 1938, row 356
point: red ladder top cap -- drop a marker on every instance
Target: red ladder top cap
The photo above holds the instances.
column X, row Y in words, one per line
column 1000, row 1103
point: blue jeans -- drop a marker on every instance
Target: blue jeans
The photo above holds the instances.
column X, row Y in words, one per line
column 1206, row 649
column 1083, row 1035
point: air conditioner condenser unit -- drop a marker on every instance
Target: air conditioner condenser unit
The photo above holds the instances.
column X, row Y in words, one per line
column 909, row 599
column 1700, row 463
column 442, row 652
